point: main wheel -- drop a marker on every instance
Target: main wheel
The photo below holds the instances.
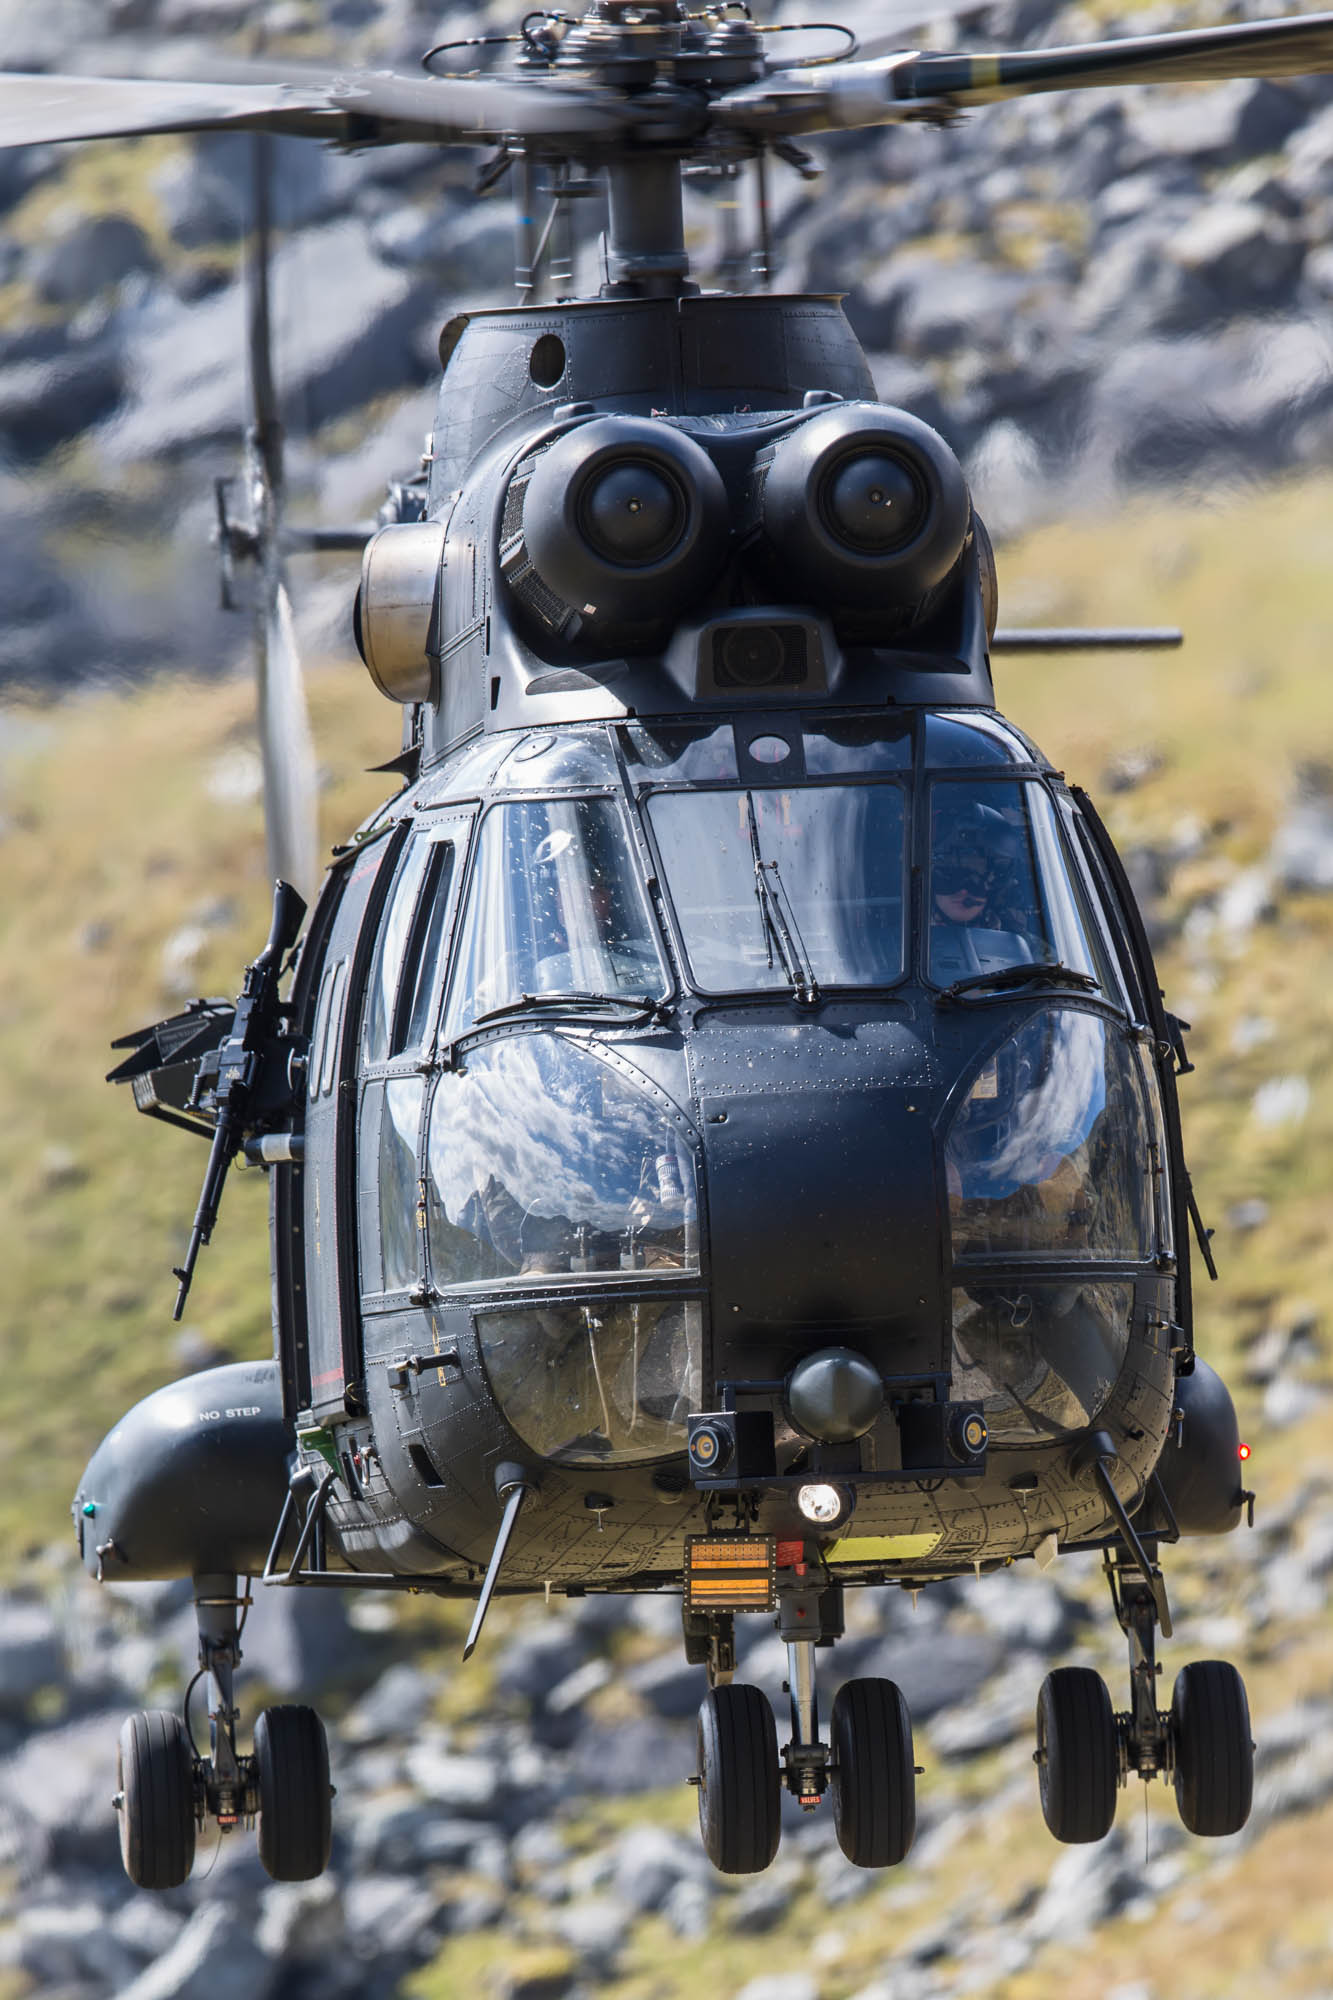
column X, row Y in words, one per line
column 874, row 1774
column 295, row 1820
column 740, row 1793
column 1077, row 1758
column 155, row 1782
column 1210, row 1728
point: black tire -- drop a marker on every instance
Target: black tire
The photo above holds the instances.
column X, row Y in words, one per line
column 295, row 1816
column 1077, row 1759
column 874, row 1774
column 1214, row 1756
column 740, row 1794
column 155, row 1779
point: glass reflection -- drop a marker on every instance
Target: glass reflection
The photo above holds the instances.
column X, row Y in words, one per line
column 1041, row 1358
column 692, row 753
column 1000, row 893
column 570, row 757
column 772, row 886
column 975, row 739
column 393, row 941
column 543, row 1160
column 400, row 1127
column 859, row 744
column 603, row 1384
column 554, row 906
column 1048, row 1153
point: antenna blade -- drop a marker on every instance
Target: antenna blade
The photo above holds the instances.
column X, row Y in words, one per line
column 360, row 107
column 286, row 747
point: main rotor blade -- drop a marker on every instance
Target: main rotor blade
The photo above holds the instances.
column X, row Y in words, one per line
column 911, row 85
column 355, row 107
column 264, row 415
column 1301, row 45
column 285, row 743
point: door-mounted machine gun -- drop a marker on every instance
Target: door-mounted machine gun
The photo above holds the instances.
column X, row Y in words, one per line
column 242, row 1068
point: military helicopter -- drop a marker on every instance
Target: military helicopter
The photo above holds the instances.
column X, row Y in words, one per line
column 722, row 1126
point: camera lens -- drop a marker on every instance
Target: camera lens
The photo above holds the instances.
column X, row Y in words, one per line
column 710, row 1447
column 752, row 656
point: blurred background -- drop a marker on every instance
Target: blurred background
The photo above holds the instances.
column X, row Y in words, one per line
column 1116, row 307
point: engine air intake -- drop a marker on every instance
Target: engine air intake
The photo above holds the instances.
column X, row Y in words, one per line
column 623, row 522
column 865, row 507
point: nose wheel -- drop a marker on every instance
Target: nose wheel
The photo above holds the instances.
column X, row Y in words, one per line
column 874, row 1775
column 738, row 1782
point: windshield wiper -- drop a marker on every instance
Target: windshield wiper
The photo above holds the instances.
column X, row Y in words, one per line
column 634, row 1003
column 1040, row 973
column 771, row 895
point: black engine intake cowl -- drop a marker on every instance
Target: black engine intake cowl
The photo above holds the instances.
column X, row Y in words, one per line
column 625, row 521
column 864, row 507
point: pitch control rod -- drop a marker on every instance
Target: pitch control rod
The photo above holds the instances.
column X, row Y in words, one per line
column 512, row 1485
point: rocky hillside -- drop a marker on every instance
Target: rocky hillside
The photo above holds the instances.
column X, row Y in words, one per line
column 1085, row 293
column 1094, row 299
column 521, row 1829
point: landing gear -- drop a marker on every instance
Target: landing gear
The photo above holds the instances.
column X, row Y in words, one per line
column 1214, row 1756
column 291, row 1764
column 168, row 1790
column 867, row 1761
column 739, row 1787
column 874, row 1776
column 1085, row 1750
column 155, row 1799
column 1078, row 1757
column 710, row 1641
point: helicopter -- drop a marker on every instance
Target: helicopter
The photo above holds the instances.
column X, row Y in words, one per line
column 722, row 1124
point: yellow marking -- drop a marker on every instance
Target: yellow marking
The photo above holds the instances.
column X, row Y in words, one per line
column 884, row 1548
column 984, row 72
column 715, row 1591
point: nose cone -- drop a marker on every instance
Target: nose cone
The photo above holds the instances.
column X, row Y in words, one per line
column 824, row 1197
column 834, row 1395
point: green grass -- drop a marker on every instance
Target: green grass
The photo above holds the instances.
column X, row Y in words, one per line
column 112, row 842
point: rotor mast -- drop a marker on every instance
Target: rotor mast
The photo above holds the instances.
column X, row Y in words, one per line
column 671, row 65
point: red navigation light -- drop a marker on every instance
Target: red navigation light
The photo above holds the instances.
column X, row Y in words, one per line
column 1244, row 1452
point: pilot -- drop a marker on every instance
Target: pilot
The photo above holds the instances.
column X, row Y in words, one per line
column 981, row 919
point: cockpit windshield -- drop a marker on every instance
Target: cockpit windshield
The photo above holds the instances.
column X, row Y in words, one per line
column 554, row 907
column 1001, row 891
column 794, row 890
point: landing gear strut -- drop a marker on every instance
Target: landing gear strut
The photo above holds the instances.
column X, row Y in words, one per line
column 867, row 1761
column 168, row 1791
column 1202, row 1743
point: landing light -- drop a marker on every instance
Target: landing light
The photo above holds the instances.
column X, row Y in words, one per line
column 826, row 1506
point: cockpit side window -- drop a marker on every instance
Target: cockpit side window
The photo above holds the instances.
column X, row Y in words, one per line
column 1001, row 892
column 393, row 939
column 554, row 906
column 422, row 966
